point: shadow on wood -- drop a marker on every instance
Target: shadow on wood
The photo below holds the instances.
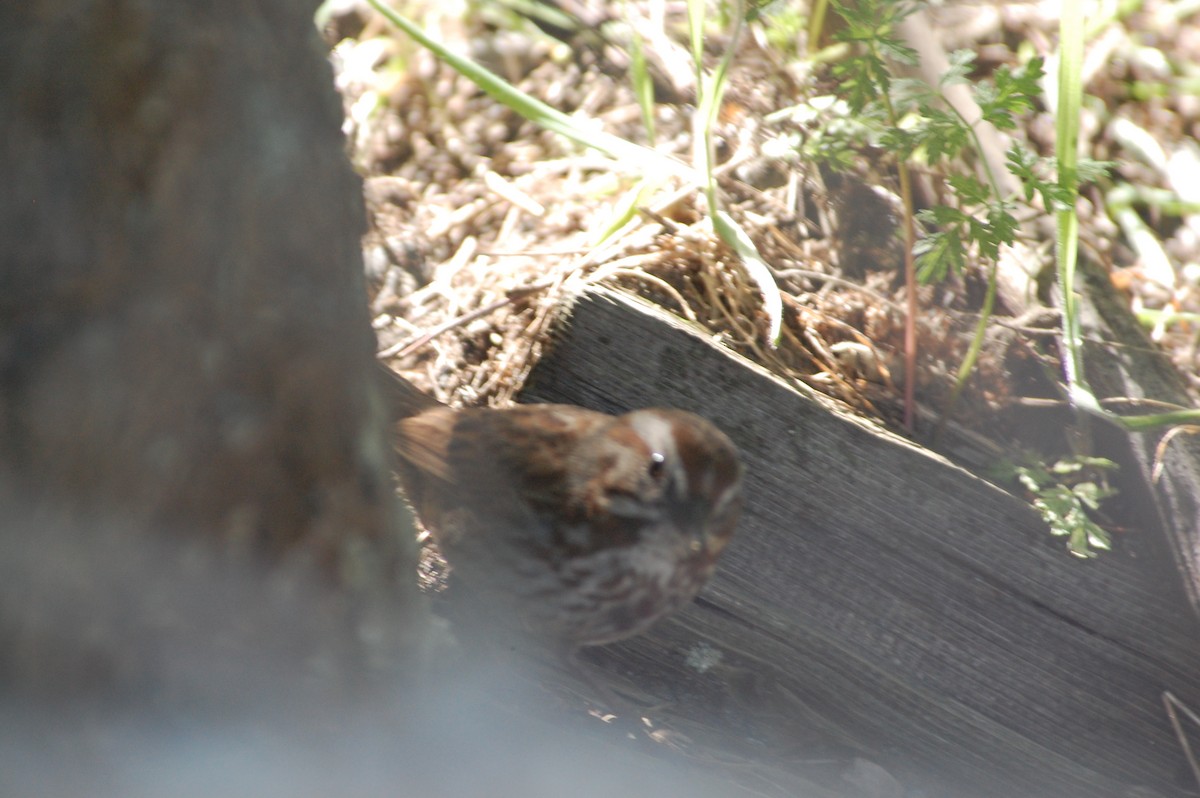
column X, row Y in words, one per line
column 880, row 598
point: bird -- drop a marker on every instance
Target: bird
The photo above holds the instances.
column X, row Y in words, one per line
column 568, row 525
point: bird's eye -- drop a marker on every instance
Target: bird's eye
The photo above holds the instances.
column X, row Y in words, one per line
column 658, row 465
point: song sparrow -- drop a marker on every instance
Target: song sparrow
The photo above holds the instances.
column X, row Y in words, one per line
column 579, row 527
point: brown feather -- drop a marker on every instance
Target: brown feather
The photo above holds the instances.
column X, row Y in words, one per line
column 424, row 441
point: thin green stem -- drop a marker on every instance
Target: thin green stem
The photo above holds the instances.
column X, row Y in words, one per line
column 712, row 88
column 910, row 270
column 972, row 356
column 989, row 301
column 974, row 133
column 1070, row 95
column 816, row 23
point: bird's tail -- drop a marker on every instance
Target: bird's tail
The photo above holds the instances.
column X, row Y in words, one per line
column 404, row 400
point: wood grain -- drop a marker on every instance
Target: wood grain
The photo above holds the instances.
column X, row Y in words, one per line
column 1121, row 361
column 882, row 602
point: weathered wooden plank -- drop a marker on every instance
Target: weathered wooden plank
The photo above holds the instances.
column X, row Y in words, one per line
column 1122, row 362
column 879, row 596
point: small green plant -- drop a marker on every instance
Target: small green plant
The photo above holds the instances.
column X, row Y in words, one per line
column 983, row 219
column 922, row 128
column 1064, row 493
column 917, row 123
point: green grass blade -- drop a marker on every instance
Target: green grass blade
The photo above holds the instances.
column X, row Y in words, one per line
column 711, row 88
column 643, row 85
column 1070, row 96
column 537, row 111
column 644, row 158
column 756, row 268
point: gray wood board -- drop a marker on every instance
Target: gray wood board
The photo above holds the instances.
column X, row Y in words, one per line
column 877, row 593
column 1121, row 361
